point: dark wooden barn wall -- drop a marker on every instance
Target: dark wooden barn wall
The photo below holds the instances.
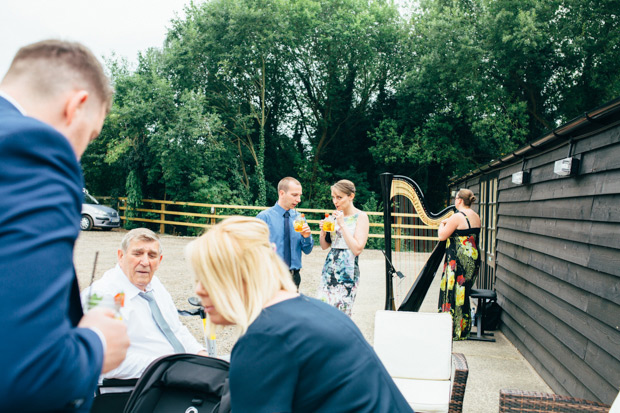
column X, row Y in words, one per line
column 558, row 267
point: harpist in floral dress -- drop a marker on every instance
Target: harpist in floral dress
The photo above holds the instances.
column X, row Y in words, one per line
column 461, row 265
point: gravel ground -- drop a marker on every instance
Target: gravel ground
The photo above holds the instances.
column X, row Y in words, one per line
column 175, row 275
column 492, row 366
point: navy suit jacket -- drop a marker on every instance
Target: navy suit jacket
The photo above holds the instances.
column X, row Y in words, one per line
column 46, row 362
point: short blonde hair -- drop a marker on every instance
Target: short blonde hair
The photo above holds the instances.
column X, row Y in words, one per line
column 236, row 264
column 284, row 183
column 50, row 65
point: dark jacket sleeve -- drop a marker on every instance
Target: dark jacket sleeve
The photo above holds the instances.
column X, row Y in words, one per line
column 47, row 363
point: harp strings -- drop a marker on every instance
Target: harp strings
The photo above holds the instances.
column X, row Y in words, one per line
column 408, row 227
column 414, row 234
column 398, row 259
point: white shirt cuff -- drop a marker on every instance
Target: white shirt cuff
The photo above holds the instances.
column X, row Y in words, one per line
column 101, row 337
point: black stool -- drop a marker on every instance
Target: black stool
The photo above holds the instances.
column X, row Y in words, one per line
column 483, row 297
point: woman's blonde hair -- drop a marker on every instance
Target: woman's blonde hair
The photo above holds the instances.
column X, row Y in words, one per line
column 239, row 268
column 345, row 186
column 467, row 196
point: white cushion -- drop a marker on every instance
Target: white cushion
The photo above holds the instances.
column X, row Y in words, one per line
column 615, row 406
column 425, row 395
column 414, row 345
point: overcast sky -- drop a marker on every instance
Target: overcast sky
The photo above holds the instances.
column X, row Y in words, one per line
column 121, row 26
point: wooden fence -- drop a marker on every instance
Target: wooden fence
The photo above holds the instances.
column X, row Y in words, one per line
column 200, row 215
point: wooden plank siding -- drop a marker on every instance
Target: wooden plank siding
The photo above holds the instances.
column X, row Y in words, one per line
column 558, row 267
column 557, row 272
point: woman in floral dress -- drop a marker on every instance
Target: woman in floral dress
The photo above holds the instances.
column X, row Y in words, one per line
column 461, row 232
column 341, row 272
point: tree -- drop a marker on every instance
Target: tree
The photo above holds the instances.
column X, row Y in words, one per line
column 486, row 76
column 245, row 92
column 157, row 139
column 344, row 56
column 236, row 60
column 586, row 37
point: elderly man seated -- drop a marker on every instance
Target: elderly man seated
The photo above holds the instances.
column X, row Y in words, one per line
column 152, row 320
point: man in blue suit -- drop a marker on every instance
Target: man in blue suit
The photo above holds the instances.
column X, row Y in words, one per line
column 53, row 101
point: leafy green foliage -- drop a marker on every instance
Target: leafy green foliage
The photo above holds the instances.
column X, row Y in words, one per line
column 134, row 199
column 486, row 76
column 246, row 92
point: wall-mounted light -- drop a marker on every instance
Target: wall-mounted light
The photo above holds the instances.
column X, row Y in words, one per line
column 521, row 177
column 570, row 165
column 566, row 167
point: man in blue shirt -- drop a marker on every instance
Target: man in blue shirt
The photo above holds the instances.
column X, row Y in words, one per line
column 289, row 244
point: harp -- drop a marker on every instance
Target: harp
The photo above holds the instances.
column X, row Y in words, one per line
column 416, row 251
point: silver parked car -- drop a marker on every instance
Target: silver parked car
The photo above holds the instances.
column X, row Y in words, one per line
column 96, row 215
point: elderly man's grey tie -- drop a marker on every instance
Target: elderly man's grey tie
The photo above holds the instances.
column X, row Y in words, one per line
column 161, row 322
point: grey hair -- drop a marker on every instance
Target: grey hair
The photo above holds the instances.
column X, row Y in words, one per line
column 140, row 234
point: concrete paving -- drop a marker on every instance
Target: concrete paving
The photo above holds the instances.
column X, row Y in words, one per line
column 492, row 365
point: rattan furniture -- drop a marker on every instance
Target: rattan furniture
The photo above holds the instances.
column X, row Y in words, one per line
column 459, row 381
column 514, row 401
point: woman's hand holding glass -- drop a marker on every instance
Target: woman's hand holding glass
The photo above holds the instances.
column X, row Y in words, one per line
column 327, row 224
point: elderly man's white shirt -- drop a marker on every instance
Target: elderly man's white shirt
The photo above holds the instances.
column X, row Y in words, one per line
column 147, row 342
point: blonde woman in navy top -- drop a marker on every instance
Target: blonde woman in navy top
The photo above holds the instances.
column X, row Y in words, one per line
column 295, row 353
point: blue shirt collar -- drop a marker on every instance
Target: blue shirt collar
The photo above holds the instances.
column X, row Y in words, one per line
column 281, row 210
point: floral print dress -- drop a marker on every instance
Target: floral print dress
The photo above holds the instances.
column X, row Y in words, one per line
column 459, row 274
column 341, row 272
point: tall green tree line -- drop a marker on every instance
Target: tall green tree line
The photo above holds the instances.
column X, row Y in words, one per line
column 245, row 92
